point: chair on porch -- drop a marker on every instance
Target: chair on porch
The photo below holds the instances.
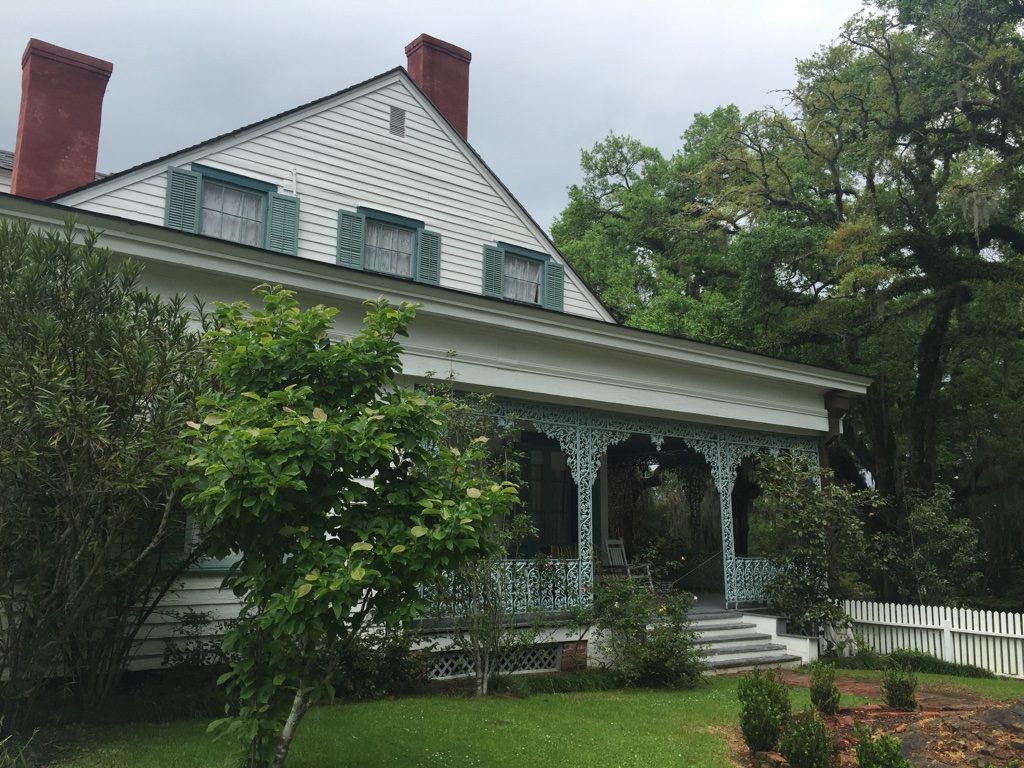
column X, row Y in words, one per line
column 617, row 565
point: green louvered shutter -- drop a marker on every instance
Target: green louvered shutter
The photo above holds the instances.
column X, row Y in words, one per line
column 554, row 285
column 182, row 199
column 494, row 268
column 428, row 268
column 283, row 223
column 351, row 227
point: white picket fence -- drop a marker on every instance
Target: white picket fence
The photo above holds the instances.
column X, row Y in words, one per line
column 986, row 639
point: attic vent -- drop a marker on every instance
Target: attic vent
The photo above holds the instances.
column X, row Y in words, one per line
column 397, row 126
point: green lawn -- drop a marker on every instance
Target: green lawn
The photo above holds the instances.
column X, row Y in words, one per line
column 682, row 729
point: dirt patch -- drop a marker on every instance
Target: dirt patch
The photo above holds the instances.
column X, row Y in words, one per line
column 950, row 730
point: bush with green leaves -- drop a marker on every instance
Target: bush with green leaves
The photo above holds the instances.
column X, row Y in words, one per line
column 97, row 377
column 821, row 544
column 293, row 426
column 646, row 637
column 879, row 750
column 824, row 693
column 764, row 708
column 381, row 664
column 805, row 741
column 898, row 687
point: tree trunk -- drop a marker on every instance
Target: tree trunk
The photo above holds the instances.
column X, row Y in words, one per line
column 288, row 732
column 930, row 371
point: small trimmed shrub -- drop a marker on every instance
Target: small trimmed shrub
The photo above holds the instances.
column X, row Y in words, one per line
column 381, row 665
column 879, row 750
column 824, row 694
column 898, row 687
column 805, row 742
column 764, row 708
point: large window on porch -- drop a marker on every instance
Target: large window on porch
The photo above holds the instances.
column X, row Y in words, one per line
column 550, row 496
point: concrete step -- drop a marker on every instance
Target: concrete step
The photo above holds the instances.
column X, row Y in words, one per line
column 715, row 620
column 714, row 615
column 728, row 664
column 739, row 637
column 736, row 650
column 713, row 631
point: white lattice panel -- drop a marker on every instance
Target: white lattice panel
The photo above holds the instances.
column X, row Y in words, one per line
column 536, row 658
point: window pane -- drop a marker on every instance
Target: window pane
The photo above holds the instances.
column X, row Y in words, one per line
column 522, row 278
column 232, row 201
column 389, row 248
column 232, row 213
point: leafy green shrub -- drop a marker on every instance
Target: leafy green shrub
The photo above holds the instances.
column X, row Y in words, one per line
column 919, row 661
column 646, row 637
column 764, row 708
column 381, row 665
column 898, row 686
column 879, row 751
column 824, row 694
column 805, row 742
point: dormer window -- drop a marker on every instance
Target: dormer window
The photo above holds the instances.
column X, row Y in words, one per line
column 389, row 248
column 522, row 278
column 216, row 203
column 377, row 241
column 519, row 274
column 232, row 213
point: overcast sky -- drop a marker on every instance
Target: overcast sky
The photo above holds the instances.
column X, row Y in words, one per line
column 547, row 79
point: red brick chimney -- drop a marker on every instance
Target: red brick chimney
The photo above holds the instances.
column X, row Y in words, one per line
column 59, row 124
column 442, row 71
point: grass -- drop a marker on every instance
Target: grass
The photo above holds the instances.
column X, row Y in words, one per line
column 628, row 729
column 1000, row 688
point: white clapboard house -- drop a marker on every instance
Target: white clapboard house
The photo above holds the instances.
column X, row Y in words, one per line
column 375, row 191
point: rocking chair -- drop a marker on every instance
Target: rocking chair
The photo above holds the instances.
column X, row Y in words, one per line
column 617, row 566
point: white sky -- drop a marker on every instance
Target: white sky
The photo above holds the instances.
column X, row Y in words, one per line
column 547, row 78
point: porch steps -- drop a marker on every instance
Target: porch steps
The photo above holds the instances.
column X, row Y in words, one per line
column 730, row 644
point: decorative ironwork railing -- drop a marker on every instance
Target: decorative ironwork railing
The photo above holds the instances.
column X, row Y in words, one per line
column 750, row 579
column 543, row 585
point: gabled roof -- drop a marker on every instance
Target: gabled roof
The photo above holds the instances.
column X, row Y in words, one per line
column 455, row 135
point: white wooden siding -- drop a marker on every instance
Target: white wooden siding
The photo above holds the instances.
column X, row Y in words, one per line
column 991, row 640
column 198, row 592
column 345, row 157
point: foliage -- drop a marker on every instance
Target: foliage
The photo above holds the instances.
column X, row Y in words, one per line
column 871, row 224
column 805, row 742
column 764, row 708
column 97, row 376
column 879, row 750
column 918, row 661
column 646, row 637
column 197, row 642
column 898, row 687
column 378, row 665
column 821, row 544
column 824, row 693
column 17, row 753
column 935, row 561
column 291, row 430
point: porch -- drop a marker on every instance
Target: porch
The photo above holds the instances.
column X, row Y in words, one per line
column 577, row 463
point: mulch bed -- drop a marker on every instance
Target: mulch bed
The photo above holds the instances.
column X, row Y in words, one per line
column 948, row 730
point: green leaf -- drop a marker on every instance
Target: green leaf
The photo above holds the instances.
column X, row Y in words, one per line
column 419, row 530
column 319, row 414
column 362, row 546
column 251, row 395
column 303, row 590
column 213, row 420
column 358, row 573
column 397, row 548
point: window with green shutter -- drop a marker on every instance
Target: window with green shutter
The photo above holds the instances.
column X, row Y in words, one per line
column 377, row 241
column 522, row 275
column 220, row 204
